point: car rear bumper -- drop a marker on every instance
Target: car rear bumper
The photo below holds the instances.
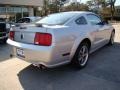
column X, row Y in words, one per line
column 37, row 54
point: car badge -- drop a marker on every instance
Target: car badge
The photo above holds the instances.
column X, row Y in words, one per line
column 22, row 36
column 23, row 27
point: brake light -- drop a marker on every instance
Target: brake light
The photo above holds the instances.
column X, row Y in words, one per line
column 44, row 39
column 11, row 35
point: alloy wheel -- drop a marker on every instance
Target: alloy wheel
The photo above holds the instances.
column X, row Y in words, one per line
column 83, row 55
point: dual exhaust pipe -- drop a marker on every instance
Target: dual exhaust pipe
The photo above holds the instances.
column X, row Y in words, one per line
column 36, row 65
column 40, row 66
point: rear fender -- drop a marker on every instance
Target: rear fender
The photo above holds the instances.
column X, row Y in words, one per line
column 76, row 45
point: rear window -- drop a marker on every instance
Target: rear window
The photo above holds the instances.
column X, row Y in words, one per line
column 56, row 19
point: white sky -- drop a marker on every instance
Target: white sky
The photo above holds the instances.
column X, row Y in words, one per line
column 117, row 1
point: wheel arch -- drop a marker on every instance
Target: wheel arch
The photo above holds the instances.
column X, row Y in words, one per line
column 87, row 40
column 76, row 46
column 113, row 30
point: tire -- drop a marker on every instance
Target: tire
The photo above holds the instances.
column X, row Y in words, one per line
column 81, row 56
column 111, row 41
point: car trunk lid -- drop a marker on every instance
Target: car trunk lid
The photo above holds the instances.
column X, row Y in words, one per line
column 25, row 33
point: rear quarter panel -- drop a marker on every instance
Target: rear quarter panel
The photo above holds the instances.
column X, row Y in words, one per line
column 67, row 39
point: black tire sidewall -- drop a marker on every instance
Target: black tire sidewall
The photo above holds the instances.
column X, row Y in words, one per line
column 75, row 59
column 110, row 42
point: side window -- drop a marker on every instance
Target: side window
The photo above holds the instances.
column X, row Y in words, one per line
column 81, row 21
column 93, row 19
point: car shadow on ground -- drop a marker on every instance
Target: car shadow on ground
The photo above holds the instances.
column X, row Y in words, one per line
column 5, row 50
column 103, row 68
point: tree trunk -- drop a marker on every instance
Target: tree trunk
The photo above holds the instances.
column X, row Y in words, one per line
column 112, row 6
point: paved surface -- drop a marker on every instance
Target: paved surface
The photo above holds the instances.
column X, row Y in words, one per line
column 101, row 73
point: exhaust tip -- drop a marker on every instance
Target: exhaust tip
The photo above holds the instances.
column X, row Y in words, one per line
column 11, row 55
column 40, row 66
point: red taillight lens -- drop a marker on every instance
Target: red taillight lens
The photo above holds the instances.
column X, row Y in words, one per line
column 44, row 39
column 11, row 35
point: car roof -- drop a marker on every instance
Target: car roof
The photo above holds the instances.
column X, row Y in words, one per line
column 79, row 12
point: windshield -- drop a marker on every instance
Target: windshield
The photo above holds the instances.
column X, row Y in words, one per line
column 56, row 19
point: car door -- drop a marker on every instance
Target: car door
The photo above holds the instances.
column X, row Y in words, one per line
column 99, row 30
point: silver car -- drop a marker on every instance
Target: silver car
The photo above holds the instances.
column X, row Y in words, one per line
column 61, row 38
column 28, row 19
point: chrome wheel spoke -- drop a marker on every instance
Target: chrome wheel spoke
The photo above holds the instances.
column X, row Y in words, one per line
column 80, row 58
column 84, row 49
column 83, row 55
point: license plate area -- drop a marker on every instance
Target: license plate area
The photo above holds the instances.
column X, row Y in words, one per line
column 20, row 52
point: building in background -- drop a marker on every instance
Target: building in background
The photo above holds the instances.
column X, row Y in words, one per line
column 117, row 12
column 15, row 9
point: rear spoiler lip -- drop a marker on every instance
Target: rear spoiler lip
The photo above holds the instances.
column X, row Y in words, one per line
column 23, row 24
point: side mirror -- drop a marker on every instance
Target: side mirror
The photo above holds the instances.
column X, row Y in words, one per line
column 101, row 23
column 105, row 22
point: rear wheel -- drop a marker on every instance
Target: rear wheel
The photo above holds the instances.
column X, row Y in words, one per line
column 81, row 56
column 111, row 41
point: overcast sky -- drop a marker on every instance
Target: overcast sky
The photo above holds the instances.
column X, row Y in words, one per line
column 117, row 1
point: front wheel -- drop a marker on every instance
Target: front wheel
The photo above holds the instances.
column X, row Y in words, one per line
column 81, row 56
column 111, row 41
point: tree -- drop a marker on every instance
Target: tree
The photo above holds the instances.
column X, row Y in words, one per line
column 45, row 7
column 53, row 6
column 95, row 5
column 59, row 4
column 105, row 12
column 112, row 7
column 76, row 7
column 56, row 6
column 90, row 4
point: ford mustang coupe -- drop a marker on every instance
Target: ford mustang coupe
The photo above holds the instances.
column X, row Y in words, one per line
column 61, row 38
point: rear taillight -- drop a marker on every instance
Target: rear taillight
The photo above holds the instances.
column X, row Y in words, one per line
column 11, row 35
column 44, row 39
